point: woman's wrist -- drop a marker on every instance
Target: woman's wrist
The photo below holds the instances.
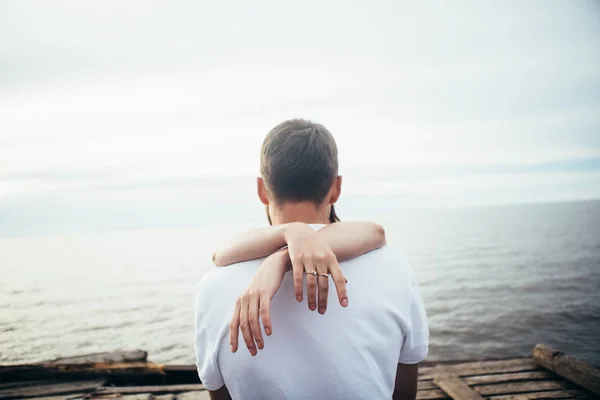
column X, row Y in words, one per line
column 293, row 229
column 282, row 258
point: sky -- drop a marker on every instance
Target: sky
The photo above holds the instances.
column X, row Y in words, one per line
column 123, row 114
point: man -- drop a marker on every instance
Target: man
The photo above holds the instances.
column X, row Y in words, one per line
column 367, row 350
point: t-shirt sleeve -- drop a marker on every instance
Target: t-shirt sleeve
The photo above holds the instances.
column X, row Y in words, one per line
column 416, row 341
column 206, row 341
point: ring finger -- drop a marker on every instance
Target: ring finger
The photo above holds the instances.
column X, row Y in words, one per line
column 311, row 286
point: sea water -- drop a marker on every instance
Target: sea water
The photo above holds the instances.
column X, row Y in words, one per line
column 495, row 281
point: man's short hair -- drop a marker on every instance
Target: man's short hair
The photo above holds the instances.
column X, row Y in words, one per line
column 299, row 161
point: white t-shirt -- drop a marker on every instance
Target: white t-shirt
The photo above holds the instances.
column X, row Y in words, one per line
column 348, row 353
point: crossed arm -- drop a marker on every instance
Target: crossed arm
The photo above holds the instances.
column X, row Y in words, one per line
column 307, row 251
column 310, row 253
column 346, row 239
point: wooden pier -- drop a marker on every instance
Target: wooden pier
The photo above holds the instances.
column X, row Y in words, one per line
column 130, row 376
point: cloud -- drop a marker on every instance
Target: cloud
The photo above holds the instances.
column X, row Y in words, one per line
column 104, row 106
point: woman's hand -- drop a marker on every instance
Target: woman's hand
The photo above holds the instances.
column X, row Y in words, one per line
column 256, row 301
column 308, row 252
column 311, row 255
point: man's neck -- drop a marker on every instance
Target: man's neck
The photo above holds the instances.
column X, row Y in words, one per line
column 299, row 212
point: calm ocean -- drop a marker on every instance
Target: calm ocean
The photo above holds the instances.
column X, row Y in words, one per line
column 495, row 281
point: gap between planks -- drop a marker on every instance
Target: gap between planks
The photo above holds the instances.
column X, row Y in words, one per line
column 521, row 387
column 479, row 368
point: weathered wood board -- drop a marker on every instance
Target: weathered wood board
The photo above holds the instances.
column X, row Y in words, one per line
column 110, row 357
column 456, row 388
column 568, row 367
column 129, row 376
column 51, row 389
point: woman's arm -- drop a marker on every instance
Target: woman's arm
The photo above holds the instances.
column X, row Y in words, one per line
column 346, row 239
column 252, row 244
column 349, row 240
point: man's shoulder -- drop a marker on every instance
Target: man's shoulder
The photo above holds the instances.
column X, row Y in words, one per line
column 386, row 255
column 391, row 253
column 387, row 263
column 216, row 293
column 218, row 279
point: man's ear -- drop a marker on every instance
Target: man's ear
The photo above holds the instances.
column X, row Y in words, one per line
column 336, row 190
column 261, row 189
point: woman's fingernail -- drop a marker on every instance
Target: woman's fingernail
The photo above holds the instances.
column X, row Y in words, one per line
column 232, row 348
column 298, row 298
column 260, row 344
column 313, row 306
column 268, row 331
column 322, row 310
column 344, row 302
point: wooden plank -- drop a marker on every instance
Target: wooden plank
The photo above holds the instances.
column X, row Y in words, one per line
column 512, row 377
column 198, row 395
column 478, row 364
column 504, row 366
column 520, row 387
column 456, row 388
column 72, row 396
column 181, row 368
column 164, row 397
column 77, row 371
column 426, row 385
column 556, row 394
column 494, row 378
column 568, row 367
column 435, row 394
column 110, row 357
column 151, row 389
column 16, row 384
column 428, row 363
column 141, row 396
column 479, row 368
column 51, row 389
